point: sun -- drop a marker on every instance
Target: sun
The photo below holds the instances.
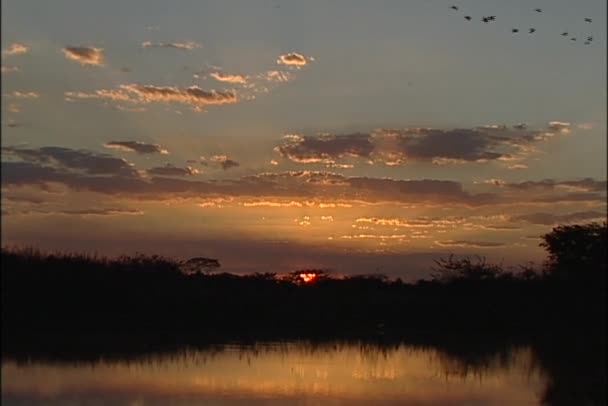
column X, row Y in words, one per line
column 308, row 277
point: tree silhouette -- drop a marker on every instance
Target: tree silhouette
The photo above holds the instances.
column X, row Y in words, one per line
column 577, row 251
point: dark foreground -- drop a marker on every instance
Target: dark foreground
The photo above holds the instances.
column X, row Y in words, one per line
column 74, row 308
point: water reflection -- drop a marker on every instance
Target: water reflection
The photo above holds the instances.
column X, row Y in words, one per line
column 296, row 373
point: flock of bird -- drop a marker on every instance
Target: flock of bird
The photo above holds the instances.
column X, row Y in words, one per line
column 531, row 30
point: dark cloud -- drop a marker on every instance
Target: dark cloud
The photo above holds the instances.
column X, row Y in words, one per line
column 586, row 184
column 554, row 219
column 224, row 161
column 398, row 147
column 85, row 55
column 79, row 169
column 325, row 148
column 302, row 184
column 469, row 244
column 170, row 170
column 136, row 146
column 59, row 157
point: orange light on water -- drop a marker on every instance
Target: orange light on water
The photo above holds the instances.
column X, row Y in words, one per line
column 308, row 277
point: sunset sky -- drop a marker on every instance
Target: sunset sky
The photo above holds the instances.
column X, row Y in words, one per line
column 359, row 136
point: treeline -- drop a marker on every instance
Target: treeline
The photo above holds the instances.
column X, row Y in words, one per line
column 73, row 292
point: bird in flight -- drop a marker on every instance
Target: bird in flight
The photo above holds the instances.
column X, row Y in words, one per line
column 573, row 39
column 468, row 18
column 588, row 19
column 485, row 20
column 532, row 30
column 589, row 38
column 538, row 10
column 454, row 7
column 564, row 34
column 515, row 30
column 491, row 18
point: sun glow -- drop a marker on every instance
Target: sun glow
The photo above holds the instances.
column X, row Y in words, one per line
column 308, row 277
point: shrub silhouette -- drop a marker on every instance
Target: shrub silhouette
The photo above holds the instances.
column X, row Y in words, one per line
column 450, row 270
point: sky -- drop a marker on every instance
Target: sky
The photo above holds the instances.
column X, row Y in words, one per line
column 354, row 136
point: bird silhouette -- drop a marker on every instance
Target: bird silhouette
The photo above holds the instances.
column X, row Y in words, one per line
column 515, row 30
column 485, row 20
column 538, row 10
column 564, row 34
column 573, row 39
column 532, row 30
column 492, row 18
column 468, row 18
column 588, row 19
column 589, row 38
column 454, row 7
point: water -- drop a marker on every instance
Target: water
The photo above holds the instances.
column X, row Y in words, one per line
column 296, row 373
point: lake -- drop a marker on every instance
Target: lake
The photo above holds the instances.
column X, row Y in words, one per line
column 280, row 373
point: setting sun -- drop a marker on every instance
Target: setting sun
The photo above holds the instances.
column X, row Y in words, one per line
column 308, row 277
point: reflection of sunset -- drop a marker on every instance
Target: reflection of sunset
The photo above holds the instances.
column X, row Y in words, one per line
column 292, row 373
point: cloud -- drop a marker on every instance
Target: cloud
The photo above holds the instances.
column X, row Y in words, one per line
column 277, row 76
column 193, row 95
column 224, row 162
column 517, row 166
column 16, row 49
column 187, row 46
column 554, row 219
column 75, row 168
column 136, row 146
column 82, row 213
column 470, row 244
column 102, row 173
column 170, row 170
column 23, row 95
column 229, row 78
column 586, row 184
column 560, row 126
column 419, row 222
column 292, row 58
column 398, row 147
column 65, row 158
column 325, row 148
column 132, row 93
column 85, row 55
column 8, row 69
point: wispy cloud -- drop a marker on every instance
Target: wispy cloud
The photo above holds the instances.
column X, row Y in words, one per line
column 85, row 55
column 136, row 146
column 17, row 94
column 187, row 46
column 9, row 69
column 15, row 49
column 554, row 219
column 133, row 93
column 229, row 78
column 192, row 95
column 470, row 244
